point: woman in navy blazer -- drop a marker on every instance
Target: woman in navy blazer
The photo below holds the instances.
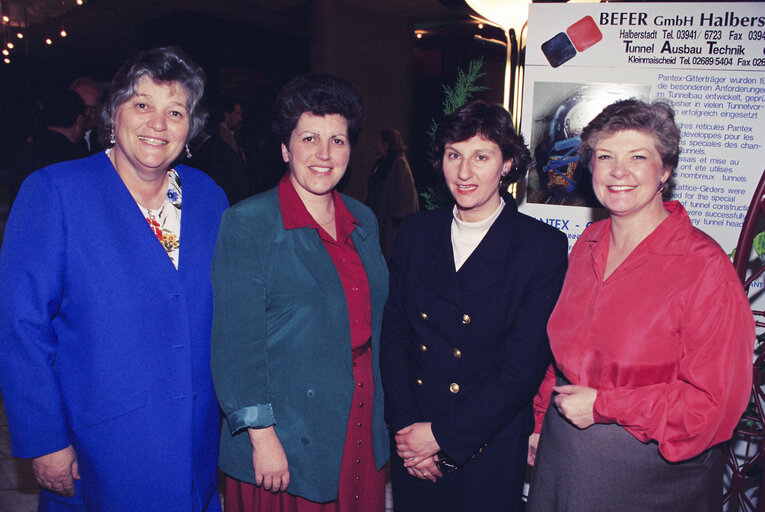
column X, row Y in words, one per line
column 464, row 345
column 106, row 309
column 300, row 284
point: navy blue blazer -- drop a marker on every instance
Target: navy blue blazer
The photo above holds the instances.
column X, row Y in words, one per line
column 105, row 345
column 467, row 350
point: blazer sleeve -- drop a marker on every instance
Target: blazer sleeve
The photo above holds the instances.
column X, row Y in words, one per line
column 401, row 407
column 239, row 360
column 32, row 265
column 499, row 394
column 704, row 403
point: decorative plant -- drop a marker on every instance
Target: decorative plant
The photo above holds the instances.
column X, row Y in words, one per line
column 454, row 97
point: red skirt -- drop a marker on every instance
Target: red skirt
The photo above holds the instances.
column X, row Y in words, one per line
column 361, row 487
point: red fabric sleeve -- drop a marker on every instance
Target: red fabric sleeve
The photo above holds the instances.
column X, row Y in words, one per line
column 702, row 406
column 542, row 398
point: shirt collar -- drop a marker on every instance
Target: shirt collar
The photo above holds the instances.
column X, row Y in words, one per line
column 295, row 214
column 665, row 239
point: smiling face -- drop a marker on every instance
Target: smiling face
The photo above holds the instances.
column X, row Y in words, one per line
column 150, row 128
column 318, row 154
column 472, row 169
column 627, row 170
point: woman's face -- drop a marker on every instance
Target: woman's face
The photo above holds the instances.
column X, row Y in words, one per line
column 317, row 154
column 472, row 169
column 627, row 171
column 151, row 127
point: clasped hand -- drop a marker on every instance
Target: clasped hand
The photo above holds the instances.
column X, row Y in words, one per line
column 417, row 446
column 576, row 404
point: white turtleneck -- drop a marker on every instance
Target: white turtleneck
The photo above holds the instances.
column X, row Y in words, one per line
column 467, row 235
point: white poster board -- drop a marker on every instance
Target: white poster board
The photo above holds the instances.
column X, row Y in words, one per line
column 707, row 59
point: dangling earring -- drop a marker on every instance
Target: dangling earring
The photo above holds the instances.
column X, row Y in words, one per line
column 661, row 187
column 188, row 151
column 112, row 139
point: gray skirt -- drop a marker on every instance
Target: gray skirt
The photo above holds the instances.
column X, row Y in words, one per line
column 604, row 468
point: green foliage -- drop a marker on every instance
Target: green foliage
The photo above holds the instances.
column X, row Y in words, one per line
column 758, row 244
column 462, row 90
column 435, row 197
column 454, row 97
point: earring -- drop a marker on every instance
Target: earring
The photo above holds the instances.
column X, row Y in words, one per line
column 188, row 151
column 112, row 139
column 661, row 187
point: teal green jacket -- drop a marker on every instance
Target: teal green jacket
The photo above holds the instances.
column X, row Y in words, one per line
column 281, row 347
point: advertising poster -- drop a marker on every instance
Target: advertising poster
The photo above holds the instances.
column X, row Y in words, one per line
column 707, row 59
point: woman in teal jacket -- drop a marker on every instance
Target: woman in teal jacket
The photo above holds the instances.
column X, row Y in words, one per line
column 300, row 284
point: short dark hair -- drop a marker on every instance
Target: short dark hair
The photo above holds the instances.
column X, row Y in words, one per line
column 490, row 121
column 163, row 65
column 393, row 139
column 60, row 108
column 656, row 119
column 320, row 95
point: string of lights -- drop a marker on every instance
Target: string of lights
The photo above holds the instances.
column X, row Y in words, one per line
column 24, row 21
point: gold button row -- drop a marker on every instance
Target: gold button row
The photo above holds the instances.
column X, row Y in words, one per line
column 465, row 318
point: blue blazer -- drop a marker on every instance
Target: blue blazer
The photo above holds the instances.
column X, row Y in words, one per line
column 467, row 350
column 105, row 344
column 281, row 345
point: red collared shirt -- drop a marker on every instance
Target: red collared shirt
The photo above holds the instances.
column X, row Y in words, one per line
column 667, row 339
column 342, row 252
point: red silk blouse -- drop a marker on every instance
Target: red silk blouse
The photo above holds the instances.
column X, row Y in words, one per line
column 667, row 339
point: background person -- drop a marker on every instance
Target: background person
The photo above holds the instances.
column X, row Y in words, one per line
column 391, row 193
column 464, row 345
column 300, row 284
column 653, row 337
column 63, row 115
column 105, row 328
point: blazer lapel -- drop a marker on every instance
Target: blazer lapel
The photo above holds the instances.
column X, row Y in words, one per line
column 140, row 246
column 311, row 253
column 486, row 265
column 437, row 270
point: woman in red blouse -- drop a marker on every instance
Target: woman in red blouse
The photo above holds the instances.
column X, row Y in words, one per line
column 652, row 338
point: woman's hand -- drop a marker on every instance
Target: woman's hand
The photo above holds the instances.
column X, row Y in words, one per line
column 576, row 404
column 269, row 460
column 426, row 470
column 57, row 471
column 416, row 443
column 531, row 456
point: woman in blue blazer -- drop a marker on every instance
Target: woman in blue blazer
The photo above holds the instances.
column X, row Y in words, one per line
column 464, row 345
column 106, row 309
column 300, row 284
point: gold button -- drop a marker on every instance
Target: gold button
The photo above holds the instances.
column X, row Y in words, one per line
column 457, row 353
column 423, row 348
column 465, row 319
column 419, row 382
column 454, row 388
column 424, row 316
